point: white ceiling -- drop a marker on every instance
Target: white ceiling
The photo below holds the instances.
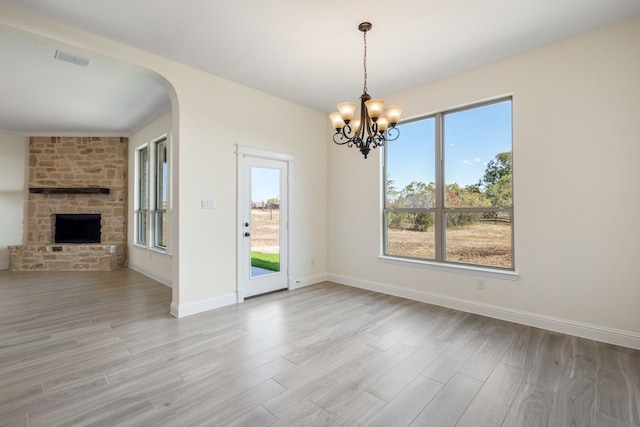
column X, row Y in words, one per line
column 45, row 96
column 306, row 51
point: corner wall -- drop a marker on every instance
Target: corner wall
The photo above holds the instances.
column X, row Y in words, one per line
column 576, row 106
column 152, row 263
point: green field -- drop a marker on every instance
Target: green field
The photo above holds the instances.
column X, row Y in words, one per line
column 266, row 261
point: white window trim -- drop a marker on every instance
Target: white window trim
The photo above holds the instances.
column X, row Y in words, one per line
column 151, row 195
column 153, row 192
column 136, row 206
column 451, row 267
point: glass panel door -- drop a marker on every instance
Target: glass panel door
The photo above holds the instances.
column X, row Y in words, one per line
column 263, row 230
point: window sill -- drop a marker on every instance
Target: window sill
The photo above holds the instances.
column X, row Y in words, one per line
column 453, row 268
column 156, row 250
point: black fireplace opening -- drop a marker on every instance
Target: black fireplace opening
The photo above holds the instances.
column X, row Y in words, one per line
column 77, row 228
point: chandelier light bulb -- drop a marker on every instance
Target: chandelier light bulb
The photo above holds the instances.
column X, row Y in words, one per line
column 355, row 125
column 383, row 123
column 374, row 108
column 393, row 114
column 336, row 120
column 347, row 110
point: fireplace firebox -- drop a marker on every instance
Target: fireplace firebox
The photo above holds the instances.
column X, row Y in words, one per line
column 77, row 228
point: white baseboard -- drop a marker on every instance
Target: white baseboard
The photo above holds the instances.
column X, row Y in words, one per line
column 4, row 265
column 584, row 330
column 229, row 299
column 203, row 305
column 167, row 281
column 301, row 282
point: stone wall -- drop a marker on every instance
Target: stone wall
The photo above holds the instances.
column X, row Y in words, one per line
column 74, row 162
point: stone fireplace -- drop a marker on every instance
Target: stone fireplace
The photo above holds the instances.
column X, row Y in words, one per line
column 76, row 208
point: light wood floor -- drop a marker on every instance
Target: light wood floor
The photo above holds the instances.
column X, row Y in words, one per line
column 98, row 348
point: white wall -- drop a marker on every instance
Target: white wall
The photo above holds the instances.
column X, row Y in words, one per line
column 152, row 263
column 13, row 157
column 576, row 147
column 215, row 115
column 210, row 116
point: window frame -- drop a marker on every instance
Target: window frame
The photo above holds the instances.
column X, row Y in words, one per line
column 141, row 209
column 159, row 186
column 441, row 210
column 148, row 194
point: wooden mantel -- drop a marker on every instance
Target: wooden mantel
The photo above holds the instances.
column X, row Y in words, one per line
column 69, row 190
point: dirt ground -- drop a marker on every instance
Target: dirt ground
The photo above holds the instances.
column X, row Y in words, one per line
column 265, row 230
column 482, row 243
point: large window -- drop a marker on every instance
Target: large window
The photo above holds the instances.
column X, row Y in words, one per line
column 448, row 188
column 152, row 191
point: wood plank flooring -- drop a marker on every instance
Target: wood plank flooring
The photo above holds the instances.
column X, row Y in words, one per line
column 100, row 349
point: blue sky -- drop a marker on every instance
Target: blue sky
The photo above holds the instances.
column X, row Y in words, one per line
column 265, row 184
column 472, row 138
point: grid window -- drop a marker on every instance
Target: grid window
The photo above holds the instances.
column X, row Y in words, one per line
column 160, row 196
column 142, row 201
column 448, row 188
column 152, row 195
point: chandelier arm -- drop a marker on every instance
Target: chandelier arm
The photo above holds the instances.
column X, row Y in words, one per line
column 350, row 134
column 365, row 120
column 374, row 129
column 378, row 140
column 341, row 138
column 392, row 134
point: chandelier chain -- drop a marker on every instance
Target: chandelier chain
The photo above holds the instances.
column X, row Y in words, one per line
column 364, row 62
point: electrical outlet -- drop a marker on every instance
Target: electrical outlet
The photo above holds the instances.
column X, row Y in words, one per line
column 480, row 284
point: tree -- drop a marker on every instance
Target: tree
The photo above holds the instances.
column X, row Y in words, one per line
column 414, row 195
column 272, row 203
column 497, row 168
column 392, row 192
column 468, row 196
column 417, row 195
column 497, row 183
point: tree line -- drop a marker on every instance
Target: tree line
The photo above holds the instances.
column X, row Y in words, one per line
column 494, row 189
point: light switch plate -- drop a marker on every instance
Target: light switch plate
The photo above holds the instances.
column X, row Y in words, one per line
column 208, row 204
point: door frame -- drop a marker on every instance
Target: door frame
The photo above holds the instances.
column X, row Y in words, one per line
column 243, row 264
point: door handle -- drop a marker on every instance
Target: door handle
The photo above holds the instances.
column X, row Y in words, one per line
column 247, row 234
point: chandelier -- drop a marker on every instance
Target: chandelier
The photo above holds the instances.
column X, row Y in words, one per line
column 375, row 126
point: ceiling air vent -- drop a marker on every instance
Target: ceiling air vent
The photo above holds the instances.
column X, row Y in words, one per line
column 72, row 59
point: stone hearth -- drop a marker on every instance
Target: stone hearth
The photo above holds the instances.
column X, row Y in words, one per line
column 66, row 257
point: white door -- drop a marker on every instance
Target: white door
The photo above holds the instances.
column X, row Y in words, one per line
column 263, row 198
